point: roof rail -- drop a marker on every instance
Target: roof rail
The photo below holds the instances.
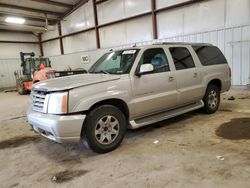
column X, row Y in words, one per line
column 182, row 43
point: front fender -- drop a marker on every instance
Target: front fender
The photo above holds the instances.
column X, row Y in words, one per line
column 86, row 102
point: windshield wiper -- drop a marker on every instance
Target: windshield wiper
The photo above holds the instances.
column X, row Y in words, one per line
column 103, row 71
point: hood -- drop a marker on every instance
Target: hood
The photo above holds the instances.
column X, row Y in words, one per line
column 69, row 82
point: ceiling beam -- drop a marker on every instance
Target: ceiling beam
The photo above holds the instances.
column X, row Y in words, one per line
column 59, row 4
column 36, row 19
column 76, row 6
column 20, row 25
column 100, row 1
column 15, row 31
column 29, row 9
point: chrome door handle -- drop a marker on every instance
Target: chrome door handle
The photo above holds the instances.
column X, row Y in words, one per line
column 171, row 78
column 195, row 75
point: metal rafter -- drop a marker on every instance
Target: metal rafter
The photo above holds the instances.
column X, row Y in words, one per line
column 29, row 9
column 100, row 1
column 55, row 3
column 10, row 24
column 76, row 6
column 51, row 21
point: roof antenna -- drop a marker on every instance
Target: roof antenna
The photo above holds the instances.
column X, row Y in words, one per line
column 111, row 50
column 134, row 45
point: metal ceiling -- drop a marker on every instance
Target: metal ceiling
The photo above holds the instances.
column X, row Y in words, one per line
column 35, row 12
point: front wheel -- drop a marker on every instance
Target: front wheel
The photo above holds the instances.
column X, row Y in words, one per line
column 211, row 99
column 21, row 88
column 105, row 128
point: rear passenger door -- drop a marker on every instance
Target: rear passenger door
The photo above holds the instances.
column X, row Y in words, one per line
column 188, row 77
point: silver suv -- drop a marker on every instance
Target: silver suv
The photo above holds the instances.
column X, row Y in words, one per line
column 129, row 88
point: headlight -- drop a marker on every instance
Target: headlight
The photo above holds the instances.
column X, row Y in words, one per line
column 58, row 103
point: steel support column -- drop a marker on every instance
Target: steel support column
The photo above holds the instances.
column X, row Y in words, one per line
column 154, row 20
column 40, row 44
column 60, row 37
column 96, row 24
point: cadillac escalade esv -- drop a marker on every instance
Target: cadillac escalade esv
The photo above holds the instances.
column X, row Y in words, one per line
column 129, row 88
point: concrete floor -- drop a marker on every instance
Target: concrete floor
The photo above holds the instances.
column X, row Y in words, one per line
column 192, row 150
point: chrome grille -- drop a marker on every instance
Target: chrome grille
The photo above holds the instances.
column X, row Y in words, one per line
column 38, row 101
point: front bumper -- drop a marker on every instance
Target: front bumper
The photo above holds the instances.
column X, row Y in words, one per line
column 59, row 128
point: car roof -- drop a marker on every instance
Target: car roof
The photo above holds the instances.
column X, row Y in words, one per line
column 134, row 47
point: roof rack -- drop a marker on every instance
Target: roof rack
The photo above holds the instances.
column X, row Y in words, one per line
column 182, row 43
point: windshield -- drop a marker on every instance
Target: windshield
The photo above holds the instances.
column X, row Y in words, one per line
column 118, row 62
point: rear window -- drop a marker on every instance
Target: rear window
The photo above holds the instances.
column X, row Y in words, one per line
column 210, row 55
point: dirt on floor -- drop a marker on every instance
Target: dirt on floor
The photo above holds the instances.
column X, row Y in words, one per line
column 191, row 150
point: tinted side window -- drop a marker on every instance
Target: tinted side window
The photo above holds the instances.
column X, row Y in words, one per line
column 210, row 55
column 182, row 58
column 156, row 57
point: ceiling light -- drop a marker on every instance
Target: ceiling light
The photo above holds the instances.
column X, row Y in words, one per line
column 15, row 20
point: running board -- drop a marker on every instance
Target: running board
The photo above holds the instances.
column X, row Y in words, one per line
column 134, row 124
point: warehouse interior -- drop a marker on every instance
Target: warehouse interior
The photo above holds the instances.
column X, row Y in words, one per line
column 191, row 150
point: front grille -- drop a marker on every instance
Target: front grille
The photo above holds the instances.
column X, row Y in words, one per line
column 38, row 101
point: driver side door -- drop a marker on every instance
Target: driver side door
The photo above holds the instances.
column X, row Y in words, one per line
column 155, row 91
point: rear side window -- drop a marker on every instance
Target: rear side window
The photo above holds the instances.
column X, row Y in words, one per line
column 210, row 55
column 182, row 58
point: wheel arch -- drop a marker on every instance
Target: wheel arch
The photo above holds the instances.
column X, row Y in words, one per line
column 119, row 103
column 216, row 82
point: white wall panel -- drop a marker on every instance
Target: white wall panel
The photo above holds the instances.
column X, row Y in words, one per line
column 121, row 9
column 133, row 7
column 110, row 11
column 113, row 35
column 50, row 34
column 170, row 23
column 81, row 42
column 12, row 50
column 138, row 30
column 51, row 48
column 204, row 16
column 8, row 66
column 80, row 19
column 166, row 3
column 237, row 12
column 74, row 60
column 9, row 36
column 126, row 32
column 236, row 56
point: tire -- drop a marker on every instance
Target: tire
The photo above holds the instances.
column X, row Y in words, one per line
column 21, row 88
column 211, row 99
column 104, row 128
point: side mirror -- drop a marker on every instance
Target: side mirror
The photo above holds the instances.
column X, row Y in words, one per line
column 145, row 68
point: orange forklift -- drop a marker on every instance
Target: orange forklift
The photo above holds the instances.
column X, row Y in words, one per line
column 36, row 69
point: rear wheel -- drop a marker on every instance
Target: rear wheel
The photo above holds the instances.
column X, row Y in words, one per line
column 211, row 99
column 105, row 128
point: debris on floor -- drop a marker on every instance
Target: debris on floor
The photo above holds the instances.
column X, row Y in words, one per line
column 67, row 175
column 220, row 158
column 232, row 98
column 156, row 141
column 10, row 90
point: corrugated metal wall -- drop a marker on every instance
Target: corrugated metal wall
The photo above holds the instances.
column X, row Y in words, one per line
column 224, row 23
column 233, row 42
column 10, row 55
column 8, row 66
